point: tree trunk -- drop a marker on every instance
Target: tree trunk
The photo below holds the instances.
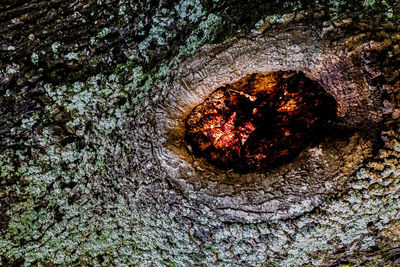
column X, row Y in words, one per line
column 95, row 168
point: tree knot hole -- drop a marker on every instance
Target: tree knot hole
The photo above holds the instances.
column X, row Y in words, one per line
column 260, row 121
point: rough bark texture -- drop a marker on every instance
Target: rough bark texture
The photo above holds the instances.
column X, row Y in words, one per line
column 94, row 168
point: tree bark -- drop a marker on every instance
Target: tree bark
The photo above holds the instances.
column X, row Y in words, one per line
column 94, row 166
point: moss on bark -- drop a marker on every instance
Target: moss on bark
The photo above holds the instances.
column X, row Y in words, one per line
column 83, row 179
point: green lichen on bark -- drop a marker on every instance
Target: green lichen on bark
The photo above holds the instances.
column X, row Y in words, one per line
column 70, row 192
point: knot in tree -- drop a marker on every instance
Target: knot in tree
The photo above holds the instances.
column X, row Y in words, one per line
column 260, row 121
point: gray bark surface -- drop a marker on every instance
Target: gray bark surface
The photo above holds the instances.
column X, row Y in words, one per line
column 93, row 163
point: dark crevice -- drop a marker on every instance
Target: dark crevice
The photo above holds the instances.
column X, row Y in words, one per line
column 261, row 121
